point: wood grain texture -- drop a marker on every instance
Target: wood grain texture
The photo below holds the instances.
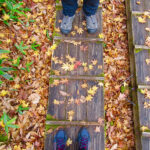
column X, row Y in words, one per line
column 145, row 143
column 139, row 32
column 86, row 52
column 96, row 142
column 144, row 113
column 143, row 6
column 74, row 99
column 142, row 68
column 79, row 18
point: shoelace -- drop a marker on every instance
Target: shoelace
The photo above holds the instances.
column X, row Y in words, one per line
column 60, row 144
column 84, row 143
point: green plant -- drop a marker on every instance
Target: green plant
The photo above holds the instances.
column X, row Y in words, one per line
column 7, row 122
column 21, row 109
column 4, row 70
column 27, row 66
column 17, row 62
column 21, row 48
column 11, row 10
column 34, row 46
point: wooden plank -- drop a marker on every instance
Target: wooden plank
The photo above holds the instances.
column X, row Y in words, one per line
column 139, row 33
column 96, row 142
column 143, row 6
column 140, row 13
column 83, row 52
column 145, row 143
column 143, row 86
column 74, row 123
column 95, row 108
column 144, row 113
column 142, row 68
column 78, row 24
column 74, row 101
column 57, row 111
column 141, row 47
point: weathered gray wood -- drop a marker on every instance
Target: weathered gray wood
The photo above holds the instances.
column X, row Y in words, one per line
column 144, row 113
column 138, row 144
column 143, row 6
column 94, row 51
column 145, row 143
column 74, row 123
column 139, row 32
column 141, row 47
column 75, row 91
column 95, row 108
column 140, row 13
column 142, row 68
column 78, row 22
column 96, row 142
column 57, row 111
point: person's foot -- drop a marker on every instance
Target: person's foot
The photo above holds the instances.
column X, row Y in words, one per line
column 60, row 140
column 66, row 24
column 83, row 139
column 91, row 23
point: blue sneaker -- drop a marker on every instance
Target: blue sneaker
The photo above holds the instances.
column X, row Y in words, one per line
column 60, row 140
column 66, row 24
column 83, row 139
column 91, row 23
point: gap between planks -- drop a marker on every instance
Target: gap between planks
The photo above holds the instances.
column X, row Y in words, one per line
column 75, row 123
column 78, row 77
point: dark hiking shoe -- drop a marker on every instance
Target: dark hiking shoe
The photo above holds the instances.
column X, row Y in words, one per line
column 83, row 139
column 91, row 23
column 66, row 24
column 60, row 140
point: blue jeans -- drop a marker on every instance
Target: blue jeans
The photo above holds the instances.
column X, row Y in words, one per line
column 70, row 6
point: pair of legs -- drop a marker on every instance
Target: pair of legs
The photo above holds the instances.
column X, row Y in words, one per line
column 69, row 8
column 61, row 139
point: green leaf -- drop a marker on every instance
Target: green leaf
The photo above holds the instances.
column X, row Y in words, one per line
column 13, row 126
column 5, row 118
column 123, row 89
column 11, row 121
column 7, row 69
column 5, row 75
column 6, row 129
column 4, row 51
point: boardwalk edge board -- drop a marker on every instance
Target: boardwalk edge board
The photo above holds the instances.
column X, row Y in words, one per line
column 141, row 138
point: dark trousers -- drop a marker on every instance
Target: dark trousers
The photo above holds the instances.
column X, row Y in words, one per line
column 70, row 6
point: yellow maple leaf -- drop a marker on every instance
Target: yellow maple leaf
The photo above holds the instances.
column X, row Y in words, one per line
column 2, row 35
column 69, row 142
column 90, row 67
column 147, row 79
column 101, row 35
column 84, row 85
column 55, row 82
column 94, row 62
column 141, row 19
column 95, row 88
column 4, row 92
column 84, row 64
column 23, row 103
column 147, row 61
column 85, row 69
column 88, row 98
column 91, row 92
column 2, row 123
column 16, row 86
column 6, row 17
column 53, row 47
column 70, row 113
column 80, row 30
column 55, row 59
column 66, row 66
column 71, row 67
column 56, row 102
column 73, row 33
column 144, row 128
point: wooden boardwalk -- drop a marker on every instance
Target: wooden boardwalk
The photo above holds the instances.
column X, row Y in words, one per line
column 76, row 83
column 138, row 13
